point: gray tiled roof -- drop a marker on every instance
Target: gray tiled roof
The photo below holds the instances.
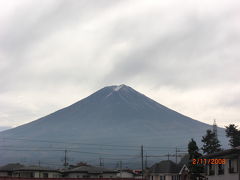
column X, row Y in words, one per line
column 90, row 169
column 34, row 168
column 165, row 167
column 234, row 151
column 11, row 167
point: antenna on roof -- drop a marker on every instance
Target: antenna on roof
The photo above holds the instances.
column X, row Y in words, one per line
column 101, row 162
column 65, row 159
column 215, row 127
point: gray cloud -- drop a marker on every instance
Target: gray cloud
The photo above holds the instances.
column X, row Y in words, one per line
column 49, row 49
column 192, row 55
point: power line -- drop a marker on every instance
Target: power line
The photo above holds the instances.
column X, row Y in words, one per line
column 62, row 150
column 94, row 144
column 70, row 148
column 62, row 142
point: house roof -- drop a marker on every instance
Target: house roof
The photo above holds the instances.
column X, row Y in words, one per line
column 11, row 167
column 165, row 167
column 35, row 168
column 90, row 169
column 184, row 168
column 226, row 153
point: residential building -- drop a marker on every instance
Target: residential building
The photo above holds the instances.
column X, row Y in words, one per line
column 36, row 172
column 7, row 170
column 125, row 173
column 88, row 171
column 184, row 173
column 224, row 165
column 164, row 170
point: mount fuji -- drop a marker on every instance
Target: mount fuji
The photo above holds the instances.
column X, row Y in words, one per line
column 112, row 118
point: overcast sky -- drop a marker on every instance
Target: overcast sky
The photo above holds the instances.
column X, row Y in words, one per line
column 183, row 54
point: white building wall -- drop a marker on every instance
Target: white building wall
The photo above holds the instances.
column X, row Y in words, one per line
column 84, row 175
column 226, row 175
column 36, row 174
column 50, row 174
column 125, row 175
column 233, row 176
column 4, row 174
column 77, row 175
column 167, row 176
column 109, row 175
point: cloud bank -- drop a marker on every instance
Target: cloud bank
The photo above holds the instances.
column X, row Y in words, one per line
column 185, row 55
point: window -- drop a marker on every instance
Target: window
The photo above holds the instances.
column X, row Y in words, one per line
column 32, row 175
column 220, row 169
column 162, row 177
column 55, row 175
column 232, row 166
column 45, row 175
column 211, row 170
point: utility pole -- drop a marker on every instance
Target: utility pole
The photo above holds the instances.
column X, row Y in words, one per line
column 146, row 161
column 120, row 168
column 168, row 156
column 65, row 159
column 39, row 163
column 100, row 162
column 142, row 159
column 176, row 155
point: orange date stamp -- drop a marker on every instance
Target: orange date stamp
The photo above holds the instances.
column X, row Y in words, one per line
column 208, row 161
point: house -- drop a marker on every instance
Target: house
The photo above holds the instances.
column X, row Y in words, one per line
column 164, row 170
column 36, row 172
column 223, row 165
column 168, row 170
column 128, row 173
column 88, row 171
column 7, row 170
column 125, row 173
column 138, row 174
column 184, row 173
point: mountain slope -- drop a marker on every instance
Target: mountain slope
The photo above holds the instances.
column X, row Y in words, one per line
column 113, row 115
column 2, row 128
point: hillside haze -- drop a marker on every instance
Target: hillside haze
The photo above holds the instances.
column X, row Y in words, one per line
column 114, row 115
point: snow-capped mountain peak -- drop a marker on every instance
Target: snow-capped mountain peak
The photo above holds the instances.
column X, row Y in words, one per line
column 117, row 88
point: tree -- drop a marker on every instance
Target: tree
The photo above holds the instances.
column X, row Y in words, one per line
column 193, row 151
column 234, row 134
column 210, row 143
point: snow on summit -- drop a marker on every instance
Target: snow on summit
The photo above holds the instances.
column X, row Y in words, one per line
column 118, row 87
